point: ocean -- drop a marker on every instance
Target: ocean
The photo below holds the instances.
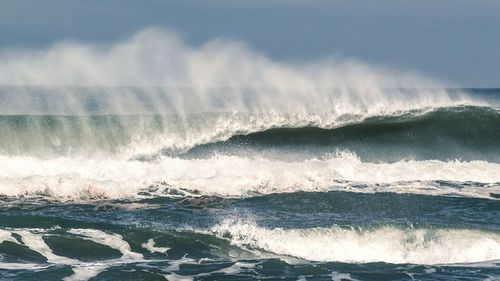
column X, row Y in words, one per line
column 400, row 185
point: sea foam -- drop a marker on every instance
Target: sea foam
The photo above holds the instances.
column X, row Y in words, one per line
column 363, row 245
column 232, row 176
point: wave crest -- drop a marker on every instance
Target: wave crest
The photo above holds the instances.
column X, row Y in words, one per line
column 449, row 130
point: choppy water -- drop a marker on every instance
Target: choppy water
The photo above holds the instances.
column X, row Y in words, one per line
column 394, row 193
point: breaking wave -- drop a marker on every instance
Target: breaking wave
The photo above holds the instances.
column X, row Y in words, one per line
column 232, row 176
column 364, row 245
column 449, row 132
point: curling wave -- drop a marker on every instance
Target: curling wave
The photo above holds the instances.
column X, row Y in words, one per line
column 460, row 132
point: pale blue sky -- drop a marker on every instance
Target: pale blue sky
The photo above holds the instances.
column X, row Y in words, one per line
column 454, row 40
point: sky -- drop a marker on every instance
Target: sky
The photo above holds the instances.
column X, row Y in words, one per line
column 456, row 41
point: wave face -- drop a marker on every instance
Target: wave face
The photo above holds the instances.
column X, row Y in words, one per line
column 460, row 132
column 153, row 159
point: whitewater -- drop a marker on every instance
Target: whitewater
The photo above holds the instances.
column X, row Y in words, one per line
column 153, row 159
